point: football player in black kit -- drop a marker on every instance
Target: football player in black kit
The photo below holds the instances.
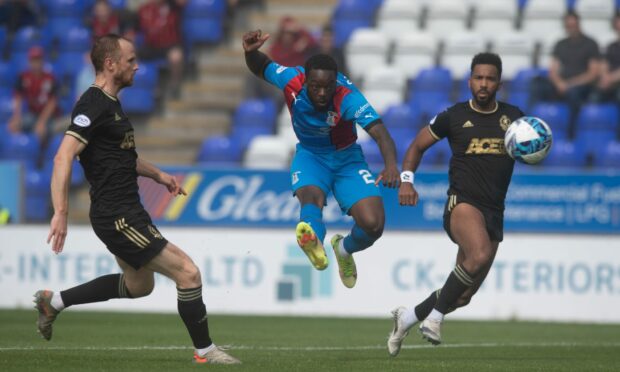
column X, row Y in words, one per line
column 479, row 174
column 102, row 136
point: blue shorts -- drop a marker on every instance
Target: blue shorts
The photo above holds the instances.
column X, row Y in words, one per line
column 343, row 172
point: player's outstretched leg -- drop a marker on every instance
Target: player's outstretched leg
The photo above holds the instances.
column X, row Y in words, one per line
column 311, row 245
column 346, row 263
column 47, row 313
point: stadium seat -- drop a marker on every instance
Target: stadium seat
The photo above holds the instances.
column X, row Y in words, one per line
column 3, row 34
column 565, row 153
column 414, row 51
column 543, row 17
column 37, row 196
column 65, row 8
column 430, row 92
column 268, row 152
column 8, row 77
column 205, row 8
column 344, row 28
column 595, row 15
column 384, row 86
column 6, row 106
column 446, row 17
column 56, row 27
column 255, row 113
column 590, row 140
column 519, row 88
column 459, row 48
column 350, row 15
column 608, row 156
column 401, row 116
column 604, row 39
column 546, row 44
column 219, row 149
column 491, row 17
column 208, row 30
column 366, row 48
column 598, row 116
column 438, row 154
column 372, row 154
column 396, row 17
column 25, row 38
column 243, row 135
column 516, row 50
column 137, row 100
column 24, row 147
column 555, row 114
column 75, row 39
column 147, row 76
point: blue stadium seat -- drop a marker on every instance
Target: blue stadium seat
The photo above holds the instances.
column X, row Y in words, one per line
column 24, row 147
column 205, row 8
column 37, row 198
column 136, row 100
column 75, row 39
column 608, row 156
column 520, row 87
column 401, row 116
column 355, row 9
column 244, row 134
column 6, row 107
column 25, row 38
column 429, row 92
column 255, row 112
column 590, row 140
column 556, row 114
column 343, row 28
column 3, row 33
column 56, row 27
column 372, row 154
column 8, row 77
column 565, row 153
column 65, row 8
column 147, row 76
column 429, row 105
column 220, row 149
column 206, row 30
column 405, row 134
column 598, row 116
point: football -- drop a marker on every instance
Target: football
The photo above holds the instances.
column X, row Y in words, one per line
column 528, row 140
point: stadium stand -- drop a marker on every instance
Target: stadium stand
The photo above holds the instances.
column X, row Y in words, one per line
column 396, row 17
column 367, row 48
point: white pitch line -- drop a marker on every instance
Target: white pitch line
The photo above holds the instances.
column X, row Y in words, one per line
column 316, row 348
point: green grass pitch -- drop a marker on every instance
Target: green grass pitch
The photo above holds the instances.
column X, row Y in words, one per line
column 98, row 341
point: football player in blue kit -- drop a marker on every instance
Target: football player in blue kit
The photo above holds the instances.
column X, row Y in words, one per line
column 325, row 108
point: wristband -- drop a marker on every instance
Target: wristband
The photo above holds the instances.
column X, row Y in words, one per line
column 407, row 176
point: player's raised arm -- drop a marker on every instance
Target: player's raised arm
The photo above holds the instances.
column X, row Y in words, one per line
column 389, row 175
column 407, row 194
column 255, row 59
column 69, row 148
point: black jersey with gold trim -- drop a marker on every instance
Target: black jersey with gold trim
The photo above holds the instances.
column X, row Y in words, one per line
column 109, row 159
column 480, row 168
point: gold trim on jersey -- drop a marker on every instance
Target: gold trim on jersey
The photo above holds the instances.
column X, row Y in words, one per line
column 433, row 133
column 483, row 112
column 77, row 136
column 104, row 92
column 132, row 234
column 451, row 202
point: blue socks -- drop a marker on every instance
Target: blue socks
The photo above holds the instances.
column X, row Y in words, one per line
column 313, row 215
column 358, row 240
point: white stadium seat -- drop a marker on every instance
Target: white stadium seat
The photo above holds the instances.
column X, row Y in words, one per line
column 445, row 17
column 492, row 17
column 604, row 39
column 384, row 86
column 546, row 48
column 459, row 49
column 398, row 16
column 284, row 126
column 516, row 50
column 268, row 152
column 543, row 17
column 595, row 16
column 366, row 48
column 414, row 51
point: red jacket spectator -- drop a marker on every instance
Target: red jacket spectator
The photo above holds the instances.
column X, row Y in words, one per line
column 293, row 43
column 160, row 21
column 105, row 20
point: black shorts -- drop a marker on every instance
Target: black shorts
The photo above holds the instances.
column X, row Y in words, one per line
column 131, row 237
column 493, row 219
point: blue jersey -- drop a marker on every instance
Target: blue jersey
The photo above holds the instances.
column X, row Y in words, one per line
column 322, row 131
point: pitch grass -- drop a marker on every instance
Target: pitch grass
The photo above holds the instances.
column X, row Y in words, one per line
column 97, row 341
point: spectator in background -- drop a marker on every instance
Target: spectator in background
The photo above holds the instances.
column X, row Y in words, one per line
column 160, row 22
column 104, row 20
column 293, row 43
column 38, row 89
column 574, row 69
column 327, row 46
column 609, row 83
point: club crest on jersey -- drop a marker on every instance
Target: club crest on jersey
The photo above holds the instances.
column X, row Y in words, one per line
column 504, row 122
column 81, row 121
column 332, row 118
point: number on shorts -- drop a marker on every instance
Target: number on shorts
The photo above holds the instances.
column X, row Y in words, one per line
column 366, row 175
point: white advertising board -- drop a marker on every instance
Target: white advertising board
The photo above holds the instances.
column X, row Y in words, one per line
column 251, row 271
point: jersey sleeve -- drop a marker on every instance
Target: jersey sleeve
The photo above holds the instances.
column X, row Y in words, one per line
column 357, row 109
column 279, row 75
column 84, row 118
column 439, row 126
